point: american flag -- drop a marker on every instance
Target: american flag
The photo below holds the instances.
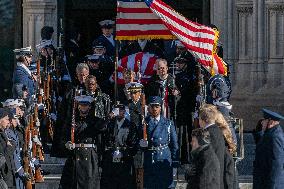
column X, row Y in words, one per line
column 136, row 21
column 147, row 66
column 197, row 38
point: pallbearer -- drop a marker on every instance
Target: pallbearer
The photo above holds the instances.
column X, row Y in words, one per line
column 161, row 155
column 81, row 169
column 120, row 139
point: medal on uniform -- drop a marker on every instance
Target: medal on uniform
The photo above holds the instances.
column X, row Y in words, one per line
column 116, row 156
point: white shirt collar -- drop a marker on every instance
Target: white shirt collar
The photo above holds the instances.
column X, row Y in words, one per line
column 110, row 39
column 25, row 67
column 156, row 118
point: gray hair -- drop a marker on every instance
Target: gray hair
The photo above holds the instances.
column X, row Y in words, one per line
column 82, row 66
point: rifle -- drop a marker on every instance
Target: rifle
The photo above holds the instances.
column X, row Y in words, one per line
column 73, row 122
column 39, row 150
column 140, row 153
column 201, row 95
column 26, row 158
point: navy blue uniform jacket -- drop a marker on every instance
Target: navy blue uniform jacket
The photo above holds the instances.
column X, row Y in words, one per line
column 269, row 160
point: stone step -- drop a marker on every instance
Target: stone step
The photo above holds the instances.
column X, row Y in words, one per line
column 52, row 182
column 53, row 168
column 53, row 160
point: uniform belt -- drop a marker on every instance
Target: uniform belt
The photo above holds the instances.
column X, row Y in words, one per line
column 157, row 148
column 82, row 145
column 114, row 148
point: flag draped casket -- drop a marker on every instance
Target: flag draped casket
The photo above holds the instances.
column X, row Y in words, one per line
column 147, row 66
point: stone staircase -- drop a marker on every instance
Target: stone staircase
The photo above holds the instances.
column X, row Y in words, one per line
column 245, row 167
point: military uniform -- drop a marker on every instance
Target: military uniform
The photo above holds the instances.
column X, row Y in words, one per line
column 120, row 146
column 81, row 170
column 161, row 155
column 268, row 172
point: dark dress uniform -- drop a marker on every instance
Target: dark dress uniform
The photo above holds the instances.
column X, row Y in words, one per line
column 185, row 82
column 268, row 170
column 8, row 172
column 135, row 110
column 81, row 170
column 161, row 156
column 110, row 47
column 119, row 173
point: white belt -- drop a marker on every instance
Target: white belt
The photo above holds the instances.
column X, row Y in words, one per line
column 82, row 145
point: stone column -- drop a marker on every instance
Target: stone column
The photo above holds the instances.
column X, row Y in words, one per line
column 36, row 14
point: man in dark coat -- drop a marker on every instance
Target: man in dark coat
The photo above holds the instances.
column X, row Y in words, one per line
column 162, row 85
column 81, row 170
column 161, row 154
column 120, row 146
column 101, row 105
column 268, row 170
column 186, row 85
column 204, row 171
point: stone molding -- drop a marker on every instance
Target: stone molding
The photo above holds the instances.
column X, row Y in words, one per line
column 37, row 14
column 245, row 9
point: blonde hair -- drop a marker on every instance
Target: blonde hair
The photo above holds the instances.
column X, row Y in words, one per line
column 210, row 114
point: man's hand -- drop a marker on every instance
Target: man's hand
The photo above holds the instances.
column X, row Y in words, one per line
column 69, row 145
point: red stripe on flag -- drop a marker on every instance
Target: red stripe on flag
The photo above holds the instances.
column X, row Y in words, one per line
column 205, row 63
column 133, row 10
column 180, row 22
column 220, row 65
column 139, row 32
column 139, row 21
column 138, row 57
column 151, row 63
column 124, row 61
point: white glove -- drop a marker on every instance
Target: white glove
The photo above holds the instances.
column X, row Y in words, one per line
column 174, row 172
column 53, row 116
column 69, row 145
column 143, row 143
column 199, row 98
column 36, row 140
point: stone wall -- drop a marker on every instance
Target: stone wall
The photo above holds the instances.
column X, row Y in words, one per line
column 252, row 33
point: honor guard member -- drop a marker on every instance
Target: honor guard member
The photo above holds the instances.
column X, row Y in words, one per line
column 101, row 104
column 120, row 146
column 135, row 104
column 161, row 155
column 8, row 149
column 22, row 74
column 185, row 81
column 123, row 94
column 81, row 170
column 12, row 135
column 268, row 170
column 107, row 37
column 219, row 90
column 162, row 84
column 64, row 114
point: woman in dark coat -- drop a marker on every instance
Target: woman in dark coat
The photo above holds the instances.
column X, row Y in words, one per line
column 205, row 170
column 81, row 170
column 268, row 170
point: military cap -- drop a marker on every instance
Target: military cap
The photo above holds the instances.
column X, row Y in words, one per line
column 3, row 113
column 134, row 87
column 219, row 83
column 98, row 44
column 106, row 24
column 13, row 102
column 155, row 100
column 12, row 113
column 120, row 106
column 43, row 43
column 184, row 57
column 27, row 51
column 179, row 43
column 93, row 58
column 84, row 99
column 268, row 114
